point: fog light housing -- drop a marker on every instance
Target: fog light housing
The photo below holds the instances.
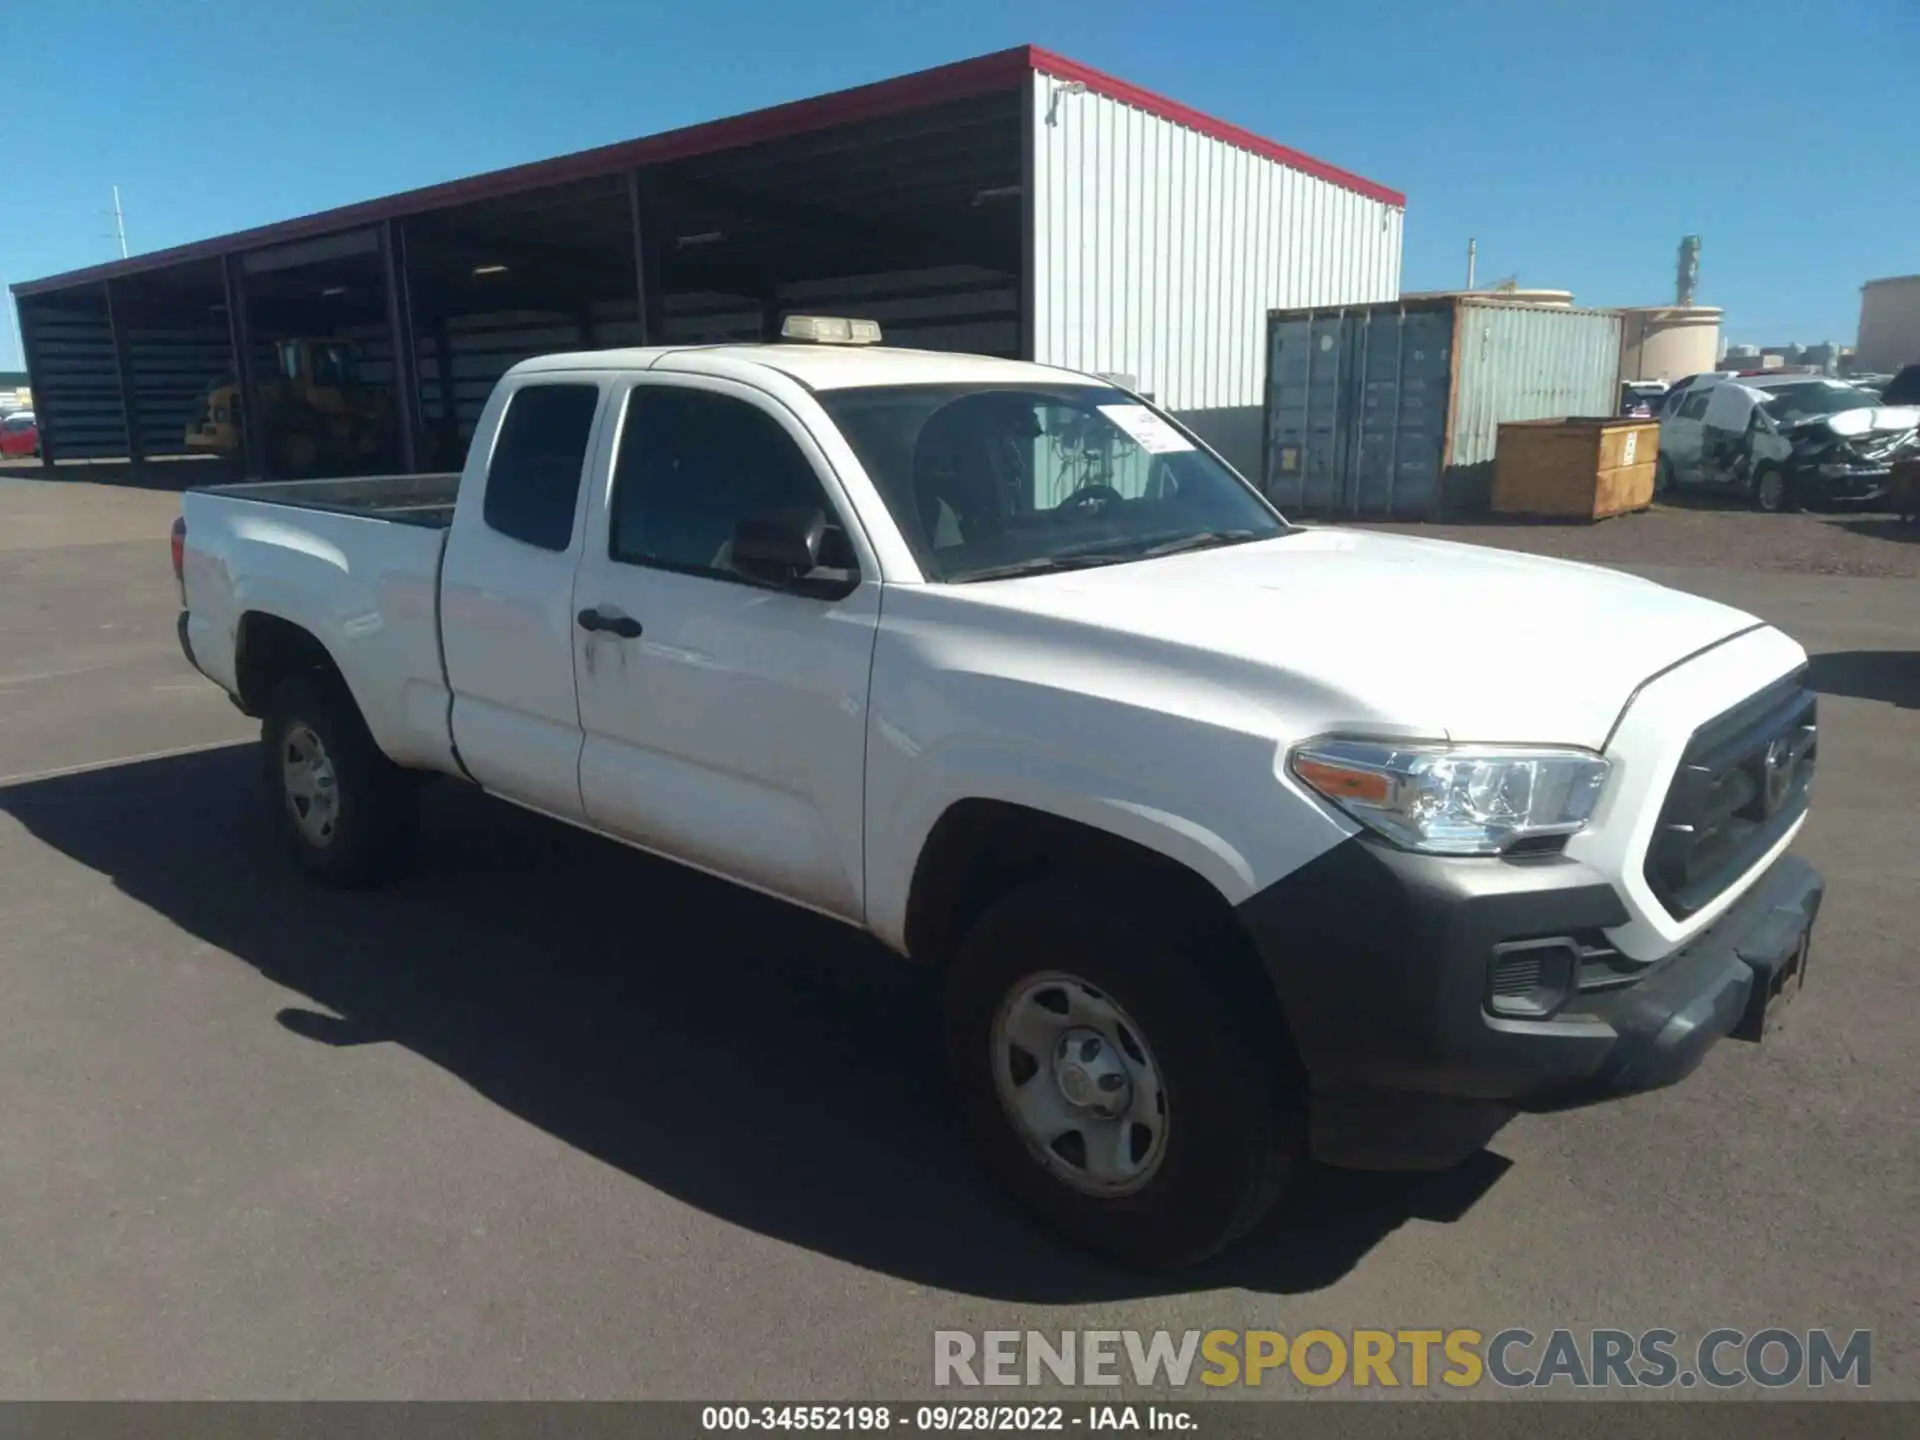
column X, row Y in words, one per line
column 1531, row 979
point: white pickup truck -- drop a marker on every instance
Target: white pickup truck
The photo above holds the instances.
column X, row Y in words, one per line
column 1233, row 841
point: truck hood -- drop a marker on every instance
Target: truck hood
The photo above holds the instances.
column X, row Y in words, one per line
column 1415, row 637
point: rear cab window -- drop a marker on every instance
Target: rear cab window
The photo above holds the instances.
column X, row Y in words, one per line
column 533, row 477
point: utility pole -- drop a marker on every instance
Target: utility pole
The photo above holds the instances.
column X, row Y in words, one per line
column 119, row 223
column 1472, row 250
column 13, row 310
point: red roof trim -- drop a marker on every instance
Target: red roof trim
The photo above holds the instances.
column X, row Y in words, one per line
column 1061, row 68
column 1001, row 70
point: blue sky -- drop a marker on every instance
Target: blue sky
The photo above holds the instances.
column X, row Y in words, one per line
column 1577, row 140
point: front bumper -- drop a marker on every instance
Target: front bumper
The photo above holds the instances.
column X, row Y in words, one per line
column 1845, row 486
column 1385, row 963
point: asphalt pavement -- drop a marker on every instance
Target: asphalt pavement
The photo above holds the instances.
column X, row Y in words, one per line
column 551, row 1119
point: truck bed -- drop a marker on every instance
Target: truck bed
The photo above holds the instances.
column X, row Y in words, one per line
column 424, row 500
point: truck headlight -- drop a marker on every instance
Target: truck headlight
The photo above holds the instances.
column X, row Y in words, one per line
column 1453, row 799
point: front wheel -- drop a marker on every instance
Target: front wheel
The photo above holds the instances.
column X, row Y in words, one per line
column 1663, row 478
column 345, row 812
column 1106, row 1085
column 1773, row 491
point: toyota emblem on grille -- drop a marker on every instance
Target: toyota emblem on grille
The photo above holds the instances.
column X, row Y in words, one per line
column 1782, row 759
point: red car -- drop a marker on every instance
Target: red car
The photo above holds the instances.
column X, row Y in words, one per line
column 19, row 435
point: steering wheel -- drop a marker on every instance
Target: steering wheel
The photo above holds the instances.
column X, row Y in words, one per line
column 1091, row 496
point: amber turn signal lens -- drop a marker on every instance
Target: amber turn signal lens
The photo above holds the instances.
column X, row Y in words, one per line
column 1337, row 782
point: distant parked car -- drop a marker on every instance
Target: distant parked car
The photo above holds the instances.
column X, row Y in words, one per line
column 1641, row 397
column 19, row 435
column 1785, row 440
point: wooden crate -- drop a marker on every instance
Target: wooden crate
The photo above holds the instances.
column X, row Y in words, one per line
column 1575, row 469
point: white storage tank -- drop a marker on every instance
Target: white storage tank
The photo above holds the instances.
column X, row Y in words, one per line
column 1889, row 325
column 1665, row 342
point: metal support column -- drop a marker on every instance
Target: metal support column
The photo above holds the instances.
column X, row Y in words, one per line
column 36, row 382
column 644, row 214
column 123, row 369
column 406, row 363
column 1029, row 242
column 443, row 367
column 240, row 337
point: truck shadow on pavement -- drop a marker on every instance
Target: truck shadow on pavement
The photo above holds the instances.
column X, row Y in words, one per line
column 772, row 1068
column 1885, row 527
column 1889, row 676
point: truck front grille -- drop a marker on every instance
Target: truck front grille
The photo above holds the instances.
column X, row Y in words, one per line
column 1741, row 785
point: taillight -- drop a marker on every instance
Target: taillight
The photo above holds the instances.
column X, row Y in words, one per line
column 180, row 550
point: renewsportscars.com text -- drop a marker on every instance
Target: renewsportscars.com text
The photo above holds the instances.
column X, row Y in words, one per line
column 1516, row 1358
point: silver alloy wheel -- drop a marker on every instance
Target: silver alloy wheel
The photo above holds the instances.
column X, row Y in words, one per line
column 1079, row 1084
column 307, row 780
column 1773, row 489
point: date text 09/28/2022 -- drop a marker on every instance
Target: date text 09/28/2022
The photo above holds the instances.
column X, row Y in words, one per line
column 873, row 1418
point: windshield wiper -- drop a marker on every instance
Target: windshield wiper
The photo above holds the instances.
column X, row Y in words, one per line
column 1040, row 565
column 1204, row 540
column 1087, row 559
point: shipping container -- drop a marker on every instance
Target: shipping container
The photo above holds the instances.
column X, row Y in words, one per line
column 1395, row 409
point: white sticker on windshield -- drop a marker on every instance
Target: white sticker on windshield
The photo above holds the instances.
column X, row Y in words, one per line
column 1146, row 429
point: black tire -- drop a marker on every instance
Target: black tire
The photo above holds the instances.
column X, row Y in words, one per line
column 375, row 809
column 1758, row 490
column 1235, row 1132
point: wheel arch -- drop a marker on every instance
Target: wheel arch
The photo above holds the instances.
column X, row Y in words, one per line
column 268, row 649
column 982, row 849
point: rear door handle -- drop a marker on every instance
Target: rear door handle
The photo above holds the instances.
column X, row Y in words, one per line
column 599, row 621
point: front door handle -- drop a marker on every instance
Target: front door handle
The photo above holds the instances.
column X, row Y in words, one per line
column 598, row 621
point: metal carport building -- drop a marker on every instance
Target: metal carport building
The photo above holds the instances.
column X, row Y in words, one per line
column 1018, row 203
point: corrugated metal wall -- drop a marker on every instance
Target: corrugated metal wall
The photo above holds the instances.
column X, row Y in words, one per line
column 1527, row 362
column 173, row 367
column 76, row 389
column 1158, row 252
column 1395, row 409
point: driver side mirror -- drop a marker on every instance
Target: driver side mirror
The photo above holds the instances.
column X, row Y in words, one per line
column 797, row 550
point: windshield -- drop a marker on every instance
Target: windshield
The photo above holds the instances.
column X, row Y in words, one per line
column 1823, row 397
column 986, row 482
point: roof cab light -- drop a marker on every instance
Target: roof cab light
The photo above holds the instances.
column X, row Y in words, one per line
column 1453, row 799
column 830, row 330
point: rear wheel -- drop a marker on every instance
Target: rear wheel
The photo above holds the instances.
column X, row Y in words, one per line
column 1106, row 1085
column 344, row 811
